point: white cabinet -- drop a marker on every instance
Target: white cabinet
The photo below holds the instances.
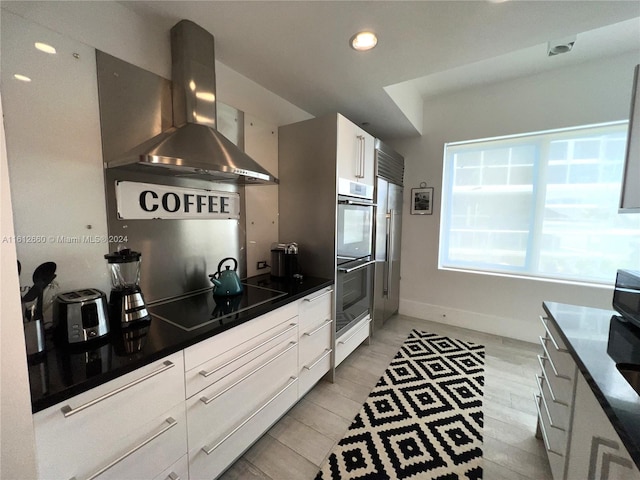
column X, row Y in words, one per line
column 355, row 153
column 353, row 337
column 216, row 397
column 248, row 381
column 596, row 449
column 316, row 327
column 579, row 439
column 130, row 428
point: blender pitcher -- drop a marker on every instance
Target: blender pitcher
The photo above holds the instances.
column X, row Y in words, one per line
column 126, row 302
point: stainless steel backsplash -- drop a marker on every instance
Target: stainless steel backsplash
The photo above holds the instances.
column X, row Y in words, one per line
column 177, row 255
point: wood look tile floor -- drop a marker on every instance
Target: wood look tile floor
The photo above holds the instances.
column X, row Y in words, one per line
column 295, row 447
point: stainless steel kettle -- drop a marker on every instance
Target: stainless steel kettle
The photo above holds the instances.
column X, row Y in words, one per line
column 226, row 282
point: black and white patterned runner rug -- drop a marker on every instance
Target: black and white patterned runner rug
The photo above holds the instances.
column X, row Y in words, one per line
column 423, row 419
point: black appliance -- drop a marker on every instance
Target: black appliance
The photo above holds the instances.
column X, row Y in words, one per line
column 626, row 296
column 80, row 316
column 284, row 260
column 203, row 309
column 624, row 342
column 354, row 291
column 355, row 262
column 126, row 302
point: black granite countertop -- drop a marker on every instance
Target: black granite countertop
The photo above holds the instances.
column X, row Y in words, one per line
column 598, row 340
column 63, row 372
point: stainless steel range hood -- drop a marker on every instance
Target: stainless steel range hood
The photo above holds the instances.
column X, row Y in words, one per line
column 193, row 147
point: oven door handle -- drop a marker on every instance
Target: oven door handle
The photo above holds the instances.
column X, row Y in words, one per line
column 353, row 269
column 354, row 202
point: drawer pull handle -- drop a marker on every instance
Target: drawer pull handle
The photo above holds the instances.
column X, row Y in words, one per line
column 209, row 450
column 173, row 476
column 318, row 296
column 322, row 357
column 547, row 357
column 546, row 407
column 68, row 411
column 208, row 400
column 328, row 321
column 206, row 374
column 544, row 432
column 342, row 342
column 170, row 424
column 544, row 377
column 544, row 321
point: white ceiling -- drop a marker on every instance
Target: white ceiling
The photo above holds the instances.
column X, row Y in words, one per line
column 299, row 49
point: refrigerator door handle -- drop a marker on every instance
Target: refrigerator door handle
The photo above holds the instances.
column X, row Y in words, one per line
column 387, row 257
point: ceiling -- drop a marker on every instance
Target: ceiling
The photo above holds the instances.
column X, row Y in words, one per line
column 299, row 49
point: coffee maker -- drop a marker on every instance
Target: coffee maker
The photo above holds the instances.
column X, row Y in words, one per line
column 126, row 302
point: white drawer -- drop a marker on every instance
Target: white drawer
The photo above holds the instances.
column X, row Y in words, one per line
column 140, row 455
column 559, row 369
column 218, row 409
column 217, row 345
column 553, row 334
column 230, row 361
column 555, row 441
column 210, row 460
column 558, row 411
column 313, row 371
column 96, row 422
column 315, row 308
column 177, row 471
column 315, row 340
column 348, row 342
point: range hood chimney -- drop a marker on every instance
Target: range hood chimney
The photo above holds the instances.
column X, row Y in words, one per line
column 193, row 147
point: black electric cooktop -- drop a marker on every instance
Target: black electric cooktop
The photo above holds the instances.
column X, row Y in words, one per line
column 203, row 308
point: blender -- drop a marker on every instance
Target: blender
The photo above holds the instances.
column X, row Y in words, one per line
column 126, row 303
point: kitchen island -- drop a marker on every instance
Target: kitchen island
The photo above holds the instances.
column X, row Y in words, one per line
column 589, row 415
column 63, row 372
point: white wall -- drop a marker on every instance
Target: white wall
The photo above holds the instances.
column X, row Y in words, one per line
column 17, row 451
column 583, row 94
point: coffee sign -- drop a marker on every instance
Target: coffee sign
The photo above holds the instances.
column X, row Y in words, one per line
column 137, row 201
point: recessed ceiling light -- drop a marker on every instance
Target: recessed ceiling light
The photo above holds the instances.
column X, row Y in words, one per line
column 22, row 78
column 363, row 41
column 46, row 48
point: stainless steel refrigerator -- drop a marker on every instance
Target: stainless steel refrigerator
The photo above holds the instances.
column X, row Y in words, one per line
column 388, row 233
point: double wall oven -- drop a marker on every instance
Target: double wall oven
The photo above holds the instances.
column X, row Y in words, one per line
column 355, row 262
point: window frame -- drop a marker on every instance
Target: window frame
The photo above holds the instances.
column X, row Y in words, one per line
column 539, row 186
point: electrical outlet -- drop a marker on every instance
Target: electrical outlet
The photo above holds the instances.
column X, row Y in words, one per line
column 261, row 265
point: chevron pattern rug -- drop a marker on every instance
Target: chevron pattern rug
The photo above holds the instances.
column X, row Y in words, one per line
column 423, row 419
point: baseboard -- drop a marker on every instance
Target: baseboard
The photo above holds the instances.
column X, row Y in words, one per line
column 505, row 327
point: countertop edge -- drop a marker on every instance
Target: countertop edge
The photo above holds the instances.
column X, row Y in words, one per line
column 39, row 404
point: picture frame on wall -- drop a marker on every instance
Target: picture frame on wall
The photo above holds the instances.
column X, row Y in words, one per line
column 422, row 201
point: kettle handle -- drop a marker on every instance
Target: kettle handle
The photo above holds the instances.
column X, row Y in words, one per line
column 235, row 263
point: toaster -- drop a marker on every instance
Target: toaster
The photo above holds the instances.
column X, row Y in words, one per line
column 80, row 316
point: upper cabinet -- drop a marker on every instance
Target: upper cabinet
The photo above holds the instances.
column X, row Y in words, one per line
column 630, row 198
column 355, row 154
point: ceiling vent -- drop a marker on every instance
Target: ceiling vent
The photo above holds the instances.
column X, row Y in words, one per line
column 563, row 45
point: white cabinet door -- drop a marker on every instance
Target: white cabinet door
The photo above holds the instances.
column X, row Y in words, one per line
column 316, row 326
column 596, row 451
column 350, row 340
column 355, row 153
column 81, row 436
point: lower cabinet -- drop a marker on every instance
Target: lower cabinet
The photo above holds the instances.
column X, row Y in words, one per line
column 353, row 337
column 130, row 428
column 596, row 449
column 580, row 441
column 192, row 414
column 315, row 330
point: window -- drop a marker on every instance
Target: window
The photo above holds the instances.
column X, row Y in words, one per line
column 543, row 204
